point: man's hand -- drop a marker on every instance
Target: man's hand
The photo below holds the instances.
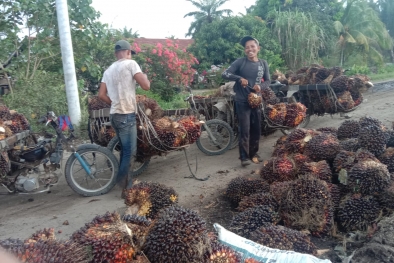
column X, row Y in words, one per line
column 257, row 88
column 244, row 82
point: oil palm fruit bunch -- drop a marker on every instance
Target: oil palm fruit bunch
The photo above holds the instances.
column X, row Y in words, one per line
column 357, row 212
column 322, row 147
column 340, row 84
column 150, row 107
column 321, row 75
column 252, row 218
column 350, row 145
column 278, row 169
column 278, row 189
column 279, row 148
column 108, row 239
column 329, row 104
column 320, row 170
column 295, row 114
column 94, row 103
column 268, row 96
column 307, row 204
column 344, row 161
column 368, row 177
column 386, row 198
column 44, row 234
column 336, row 71
column 240, row 187
column 254, row 100
column 20, row 121
column 276, row 113
column 298, row 139
column 192, row 127
column 372, row 138
column 139, row 226
column 336, row 195
column 390, row 142
column 5, row 164
column 345, row 101
column 148, row 198
column 258, row 199
column 283, row 238
column 387, row 158
column 220, row 253
column 330, row 130
column 5, row 114
column 178, row 235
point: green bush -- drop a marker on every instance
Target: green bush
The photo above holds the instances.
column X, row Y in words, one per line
column 177, row 101
column 355, row 69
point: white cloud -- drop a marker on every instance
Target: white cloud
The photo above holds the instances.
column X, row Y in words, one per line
column 155, row 18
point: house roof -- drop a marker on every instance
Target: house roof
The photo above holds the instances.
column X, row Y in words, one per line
column 182, row 43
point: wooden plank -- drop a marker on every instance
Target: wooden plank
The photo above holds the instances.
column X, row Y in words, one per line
column 103, row 113
column 12, row 140
column 184, row 111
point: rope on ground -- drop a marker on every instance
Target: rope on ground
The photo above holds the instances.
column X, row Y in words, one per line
column 194, row 175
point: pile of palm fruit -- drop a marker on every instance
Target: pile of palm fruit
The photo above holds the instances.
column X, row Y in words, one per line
column 341, row 93
column 156, row 133
column 319, row 182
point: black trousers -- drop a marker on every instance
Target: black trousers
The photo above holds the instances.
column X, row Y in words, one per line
column 249, row 129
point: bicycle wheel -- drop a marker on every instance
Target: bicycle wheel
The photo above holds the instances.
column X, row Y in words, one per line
column 137, row 167
column 223, row 137
column 104, row 168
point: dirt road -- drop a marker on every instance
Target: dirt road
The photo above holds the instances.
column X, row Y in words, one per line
column 22, row 215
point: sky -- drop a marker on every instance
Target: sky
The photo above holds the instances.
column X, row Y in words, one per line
column 156, row 18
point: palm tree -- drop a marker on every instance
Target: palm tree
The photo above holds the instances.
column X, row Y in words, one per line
column 361, row 30
column 208, row 12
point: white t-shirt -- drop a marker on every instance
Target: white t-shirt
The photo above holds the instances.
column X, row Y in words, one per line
column 119, row 78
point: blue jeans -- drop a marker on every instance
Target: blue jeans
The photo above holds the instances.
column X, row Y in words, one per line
column 125, row 127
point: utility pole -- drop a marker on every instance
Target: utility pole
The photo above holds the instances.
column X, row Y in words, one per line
column 70, row 79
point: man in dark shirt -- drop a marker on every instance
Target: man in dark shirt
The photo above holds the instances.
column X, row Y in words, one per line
column 250, row 74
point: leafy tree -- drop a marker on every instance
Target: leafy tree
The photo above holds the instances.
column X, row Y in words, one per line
column 208, row 12
column 218, row 42
column 360, row 30
column 301, row 38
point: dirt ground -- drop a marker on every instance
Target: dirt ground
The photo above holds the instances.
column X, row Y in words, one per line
column 22, row 215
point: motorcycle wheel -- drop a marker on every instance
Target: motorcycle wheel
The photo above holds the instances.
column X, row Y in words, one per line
column 137, row 167
column 223, row 134
column 102, row 163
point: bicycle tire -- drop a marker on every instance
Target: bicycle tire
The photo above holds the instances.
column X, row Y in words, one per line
column 112, row 147
column 111, row 160
column 223, row 148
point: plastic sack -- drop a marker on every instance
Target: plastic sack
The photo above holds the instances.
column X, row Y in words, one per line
column 262, row 254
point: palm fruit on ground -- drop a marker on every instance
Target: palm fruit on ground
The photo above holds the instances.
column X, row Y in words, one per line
column 139, row 226
column 299, row 160
column 278, row 189
column 283, row 238
column 344, row 160
column 368, row 121
column 240, row 187
column 276, row 113
column 320, row 170
column 108, row 238
column 178, row 235
column 297, row 140
column 279, row 147
column 269, row 96
column 365, row 155
column 387, row 158
column 330, row 130
column 278, row 169
column 357, row 212
column 258, row 199
column 340, row 84
column 220, row 253
column 322, row 147
column 368, row 177
column 94, row 103
column 350, row 145
column 307, row 204
column 44, row 234
column 251, row 219
column 373, row 139
column 386, row 198
column 148, row 198
column 295, row 114
column 336, row 195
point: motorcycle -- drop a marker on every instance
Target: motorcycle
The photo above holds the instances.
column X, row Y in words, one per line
column 36, row 163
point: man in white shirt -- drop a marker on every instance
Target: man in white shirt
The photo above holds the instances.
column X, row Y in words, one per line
column 117, row 88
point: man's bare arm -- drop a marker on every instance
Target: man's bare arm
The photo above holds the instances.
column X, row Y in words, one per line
column 142, row 80
column 103, row 93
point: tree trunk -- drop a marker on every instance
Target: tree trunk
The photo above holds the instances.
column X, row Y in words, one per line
column 392, row 55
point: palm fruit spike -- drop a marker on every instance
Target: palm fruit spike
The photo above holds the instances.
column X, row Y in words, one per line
column 322, row 147
column 320, row 170
column 278, row 169
column 307, row 204
column 147, row 199
column 387, row 158
column 373, row 139
column 340, row 84
column 344, row 160
column 240, row 187
column 330, row 130
column 348, row 129
column 251, row 219
column 357, row 212
column 368, row 178
column 138, row 226
column 179, row 235
column 297, row 139
column 350, row 145
column 258, row 199
column 108, row 238
column 283, row 238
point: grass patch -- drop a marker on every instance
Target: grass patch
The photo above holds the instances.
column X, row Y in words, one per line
column 176, row 103
column 382, row 76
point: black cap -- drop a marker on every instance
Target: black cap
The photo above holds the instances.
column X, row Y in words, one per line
column 123, row 45
column 248, row 38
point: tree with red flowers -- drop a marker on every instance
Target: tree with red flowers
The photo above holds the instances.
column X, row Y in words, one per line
column 167, row 66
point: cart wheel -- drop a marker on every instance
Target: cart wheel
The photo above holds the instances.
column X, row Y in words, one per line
column 223, row 136
column 138, row 167
column 303, row 124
